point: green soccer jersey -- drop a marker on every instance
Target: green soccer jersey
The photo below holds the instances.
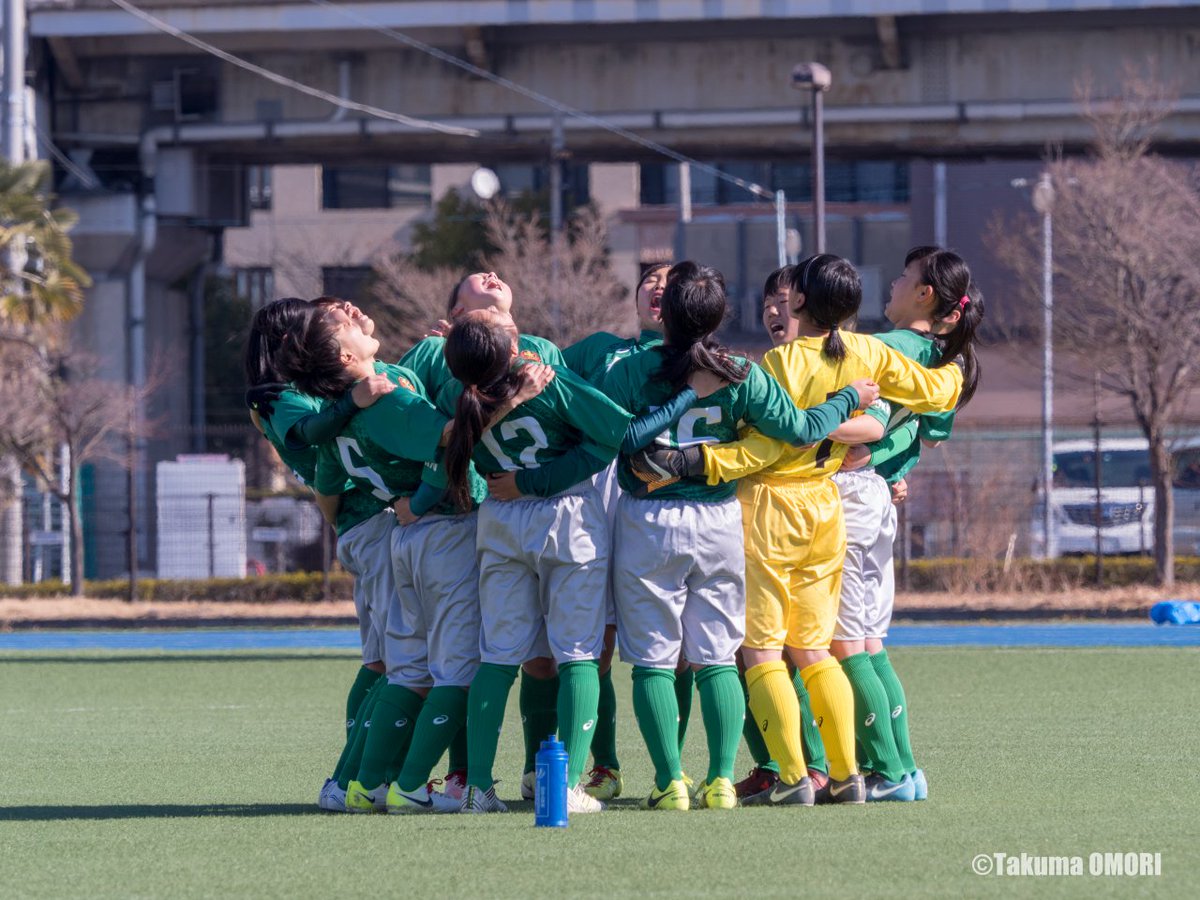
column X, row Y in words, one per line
column 899, row 450
column 715, row 419
column 427, row 359
column 545, row 435
column 287, row 410
column 592, row 357
column 384, row 448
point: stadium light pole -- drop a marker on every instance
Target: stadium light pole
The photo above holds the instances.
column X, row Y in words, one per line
column 814, row 77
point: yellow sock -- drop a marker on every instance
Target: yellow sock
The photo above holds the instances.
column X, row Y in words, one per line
column 774, row 705
column 833, row 705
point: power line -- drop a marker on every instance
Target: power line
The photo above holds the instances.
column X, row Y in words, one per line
column 342, row 102
column 543, row 99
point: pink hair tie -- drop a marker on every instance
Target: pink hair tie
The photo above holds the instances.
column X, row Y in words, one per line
column 962, row 304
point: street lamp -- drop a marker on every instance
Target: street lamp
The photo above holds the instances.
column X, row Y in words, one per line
column 812, row 76
column 1043, row 203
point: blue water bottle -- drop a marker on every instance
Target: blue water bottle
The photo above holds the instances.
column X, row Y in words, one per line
column 550, row 795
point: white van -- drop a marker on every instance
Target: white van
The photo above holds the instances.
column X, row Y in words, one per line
column 1126, row 508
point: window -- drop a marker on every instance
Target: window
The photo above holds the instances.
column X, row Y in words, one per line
column 347, row 282
column 258, row 187
column 256, row 284
column 846, row 181
column 517, row 179
column 375, row 187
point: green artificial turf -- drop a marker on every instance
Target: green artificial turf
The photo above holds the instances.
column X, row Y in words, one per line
column 196, row 775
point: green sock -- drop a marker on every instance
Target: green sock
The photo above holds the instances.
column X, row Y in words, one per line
column 604, row 743
column 754, row 739
column 539, row 713
column 393, row 722
column 358, row 692
column 458, row 749
column 810, row 734
column 899, row 707
column 441, row 718
column 578, row 700
column 485, row 715
column 872, row 719
column 657, row 713
column 683, row 699
column 724, row 711
column 347, row 764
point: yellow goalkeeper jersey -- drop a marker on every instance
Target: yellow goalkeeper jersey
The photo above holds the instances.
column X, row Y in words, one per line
column 809, row 378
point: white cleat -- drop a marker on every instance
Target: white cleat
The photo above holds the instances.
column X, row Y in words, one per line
column 479, row 801
column 332, row 798
column 422, row 800
column 580, row 801
column 456, row 784
column 528, row 784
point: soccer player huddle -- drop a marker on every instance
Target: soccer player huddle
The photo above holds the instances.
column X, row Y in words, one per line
column 507, row 508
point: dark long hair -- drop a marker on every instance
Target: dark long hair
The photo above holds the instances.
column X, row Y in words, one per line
column 267, row 330
column 948, row 275
column 693, row 307
column 779, row 280
column 832, row 294
column 479, row 354
column 310, row 355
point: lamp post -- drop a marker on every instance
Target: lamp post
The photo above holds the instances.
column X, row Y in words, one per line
column 812, row 76
column 1043, row 203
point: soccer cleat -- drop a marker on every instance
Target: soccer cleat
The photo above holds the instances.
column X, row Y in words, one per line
column 580, row 801
column 674, row 796
column 719, row 794
column 332, row 797
column 456, row 784
column 423, row 799
column 528, row 785
column 476, row 800
column 360, row 800
column 852, row 790
column 690, row 785
column 783, row 794
column 756, row 782
column 920, row 785
column 604, row 783
column 879, row 789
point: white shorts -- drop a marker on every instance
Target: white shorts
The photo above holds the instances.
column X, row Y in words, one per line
column 433, row 629
column 868, row 582
column 365, row 551
column 543, row 573
column 605, row 483
column 679, row 577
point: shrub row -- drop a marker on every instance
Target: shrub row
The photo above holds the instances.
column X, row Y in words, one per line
column 303, row 587
column 923, row 575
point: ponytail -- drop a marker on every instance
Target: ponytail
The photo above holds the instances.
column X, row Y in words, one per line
column 470, row 417
column 949, row 278
column 832, row 293
column 693, row 307
column 478, row 352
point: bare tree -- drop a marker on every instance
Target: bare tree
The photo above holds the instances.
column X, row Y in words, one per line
column 53, row 400
column 563, row 290
column 1127, row 276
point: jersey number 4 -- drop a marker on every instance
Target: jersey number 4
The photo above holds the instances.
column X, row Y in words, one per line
column 345, row 445
column 508, row 432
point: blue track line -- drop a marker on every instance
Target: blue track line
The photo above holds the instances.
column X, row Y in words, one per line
column 1075, row 634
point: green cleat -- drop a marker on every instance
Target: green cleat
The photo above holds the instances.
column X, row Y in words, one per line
column 719, row 794
column 360, row 800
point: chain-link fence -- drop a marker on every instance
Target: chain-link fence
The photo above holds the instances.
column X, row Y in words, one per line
column 976, row 498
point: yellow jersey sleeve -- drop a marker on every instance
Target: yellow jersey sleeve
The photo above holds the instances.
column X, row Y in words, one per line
column 909, row 383
column 751, row 453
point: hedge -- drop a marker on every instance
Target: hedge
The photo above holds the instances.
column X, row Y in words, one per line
column 923, row 575
column 302, row 587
